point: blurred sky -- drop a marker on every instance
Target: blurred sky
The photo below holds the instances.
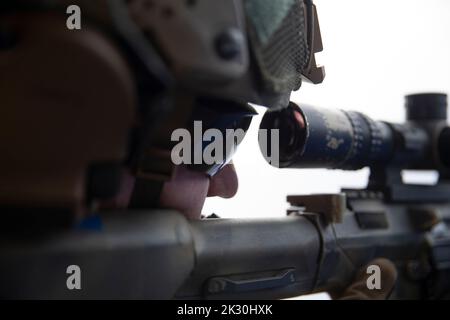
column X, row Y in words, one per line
column 375, row 52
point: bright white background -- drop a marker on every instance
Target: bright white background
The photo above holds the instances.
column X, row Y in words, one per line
column 375, row 52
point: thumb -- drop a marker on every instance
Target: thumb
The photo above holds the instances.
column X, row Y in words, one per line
column 359, row 290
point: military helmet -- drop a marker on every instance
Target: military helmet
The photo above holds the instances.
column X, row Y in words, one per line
column 80, row 102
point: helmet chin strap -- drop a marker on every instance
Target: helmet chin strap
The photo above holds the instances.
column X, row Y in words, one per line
column 146, row 193
column 154, row 165
column 154, row 169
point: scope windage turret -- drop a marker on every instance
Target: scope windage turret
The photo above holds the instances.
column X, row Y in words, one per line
column 323, row 138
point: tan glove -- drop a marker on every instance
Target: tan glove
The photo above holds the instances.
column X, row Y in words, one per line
column 359, row 289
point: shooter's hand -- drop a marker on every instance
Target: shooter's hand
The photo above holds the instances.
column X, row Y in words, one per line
column 359, row 289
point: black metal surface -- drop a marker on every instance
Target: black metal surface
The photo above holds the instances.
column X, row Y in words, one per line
column 426, row 106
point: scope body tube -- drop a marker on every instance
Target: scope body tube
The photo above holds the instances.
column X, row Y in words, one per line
column 312, row 137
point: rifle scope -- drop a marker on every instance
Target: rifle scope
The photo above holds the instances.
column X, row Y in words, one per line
column 312, row 137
